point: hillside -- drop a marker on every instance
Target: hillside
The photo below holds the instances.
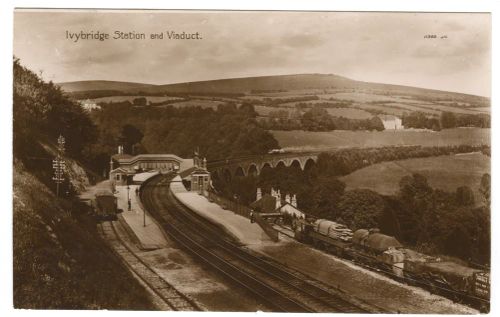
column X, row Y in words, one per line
column 443, row 172
column 92, row 85
column 263, row 83
column 59, row 260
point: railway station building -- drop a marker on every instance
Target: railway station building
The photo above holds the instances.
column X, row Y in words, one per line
column 124, row 166
column 197, row 177
column 274, row 203
column 193, row 171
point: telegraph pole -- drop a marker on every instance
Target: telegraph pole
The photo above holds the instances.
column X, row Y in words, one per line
column 59, row 164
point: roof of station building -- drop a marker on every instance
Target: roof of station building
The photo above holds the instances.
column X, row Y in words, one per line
column 118, row 157
column 145, row 157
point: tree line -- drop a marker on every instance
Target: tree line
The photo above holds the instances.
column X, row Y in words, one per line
column 428, row 219
column 447, row 120
column 42, row 112
column 225, row 132
column 317, row 119
column 330, row 103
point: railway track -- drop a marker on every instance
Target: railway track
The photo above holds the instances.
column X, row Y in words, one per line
column 276, row 286
column 170, row 296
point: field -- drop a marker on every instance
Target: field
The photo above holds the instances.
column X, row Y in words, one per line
column 175, row 101
column 155, row 99
column 443, row 172
column 390, row 104
column 413, row 107
column 482, row 109
column 358, row 96
column 387, row 110
column 277, row 95
column 198, row 103
column 350, row 113
column 265, row 110
column 386, row 102
column 359, row 100
column 306, row 140
column 363, row 96
column 439, row 108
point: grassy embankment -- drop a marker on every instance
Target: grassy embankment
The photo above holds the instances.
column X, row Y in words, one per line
column 308, row 140
column 60, row 262
column 443, row 172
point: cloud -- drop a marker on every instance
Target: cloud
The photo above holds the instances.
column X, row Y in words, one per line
column 302, row 40
column 380, row 47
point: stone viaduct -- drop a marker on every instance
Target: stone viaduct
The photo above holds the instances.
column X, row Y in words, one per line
column 255, row 164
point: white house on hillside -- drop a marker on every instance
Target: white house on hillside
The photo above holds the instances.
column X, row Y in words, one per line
column 391, row 122
column 89, row 105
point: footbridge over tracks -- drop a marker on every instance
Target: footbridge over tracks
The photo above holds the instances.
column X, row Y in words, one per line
column 253, row 165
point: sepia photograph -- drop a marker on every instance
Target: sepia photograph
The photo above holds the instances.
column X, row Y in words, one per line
column 244, row 161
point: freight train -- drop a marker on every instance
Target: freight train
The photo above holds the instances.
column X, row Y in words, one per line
column 385, row 254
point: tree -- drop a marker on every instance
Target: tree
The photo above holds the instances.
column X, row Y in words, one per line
column 227, row 108
column 130, row 136
column 140, row 102
column 388, row 222
column 43, row 109
column 458, row 243
column 326, row 194
column 448, row 120
column 360, row 208
column 485, row 188
column 316, row 119
column 248, row 110
column 414, row 187
column 375, row 123
column 464, row 196
column 416, row 198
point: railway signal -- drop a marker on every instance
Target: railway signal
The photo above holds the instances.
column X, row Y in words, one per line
column 58, row 164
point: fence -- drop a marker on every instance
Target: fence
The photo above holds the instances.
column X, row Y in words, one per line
column 267, row 227
column 245, row 211
column 239, row 209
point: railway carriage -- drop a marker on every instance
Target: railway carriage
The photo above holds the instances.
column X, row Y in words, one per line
column 106, row 207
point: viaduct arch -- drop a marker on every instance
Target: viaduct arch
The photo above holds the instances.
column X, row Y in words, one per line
column 254, row 166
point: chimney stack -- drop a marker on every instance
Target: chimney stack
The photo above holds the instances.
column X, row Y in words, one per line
column 259, row 194
column 278, row 199
column 287, row 198
column 110, row 165
column 294, row 201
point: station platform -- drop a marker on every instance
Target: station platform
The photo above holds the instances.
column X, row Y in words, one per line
column 237, row 226
column 89, row 193
column 150, row 236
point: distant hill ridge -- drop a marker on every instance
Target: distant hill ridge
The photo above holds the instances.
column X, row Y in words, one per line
column 87, row 85
column 248, row 84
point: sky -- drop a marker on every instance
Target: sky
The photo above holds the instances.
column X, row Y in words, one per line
column 368, row 46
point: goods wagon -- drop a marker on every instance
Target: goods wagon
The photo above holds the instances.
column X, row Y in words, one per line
column 332, row 229
column 374, row 242
column 385, row 254
column 446, row 275
column 106, row 207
